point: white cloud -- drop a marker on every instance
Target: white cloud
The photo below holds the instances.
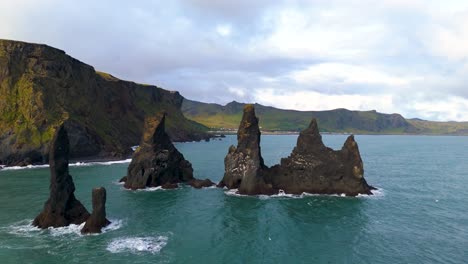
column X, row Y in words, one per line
column 310, row 100
column 237, row 91
column 345, row 74
column 223, row 30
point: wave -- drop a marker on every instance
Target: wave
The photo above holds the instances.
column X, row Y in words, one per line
column 76, row 164
column 138, row 244
column 25, row 228
column 379, row 192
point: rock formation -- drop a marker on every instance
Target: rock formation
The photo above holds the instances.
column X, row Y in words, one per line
column 312, row 167
column 157, row 162
column 198, row 184
column 97, row 220
column 62, row 208
column 244, row 167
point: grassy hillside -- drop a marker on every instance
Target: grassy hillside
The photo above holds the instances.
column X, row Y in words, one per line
column 40, row 87
column 339, row 120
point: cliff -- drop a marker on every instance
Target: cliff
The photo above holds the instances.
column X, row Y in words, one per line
column 41, row 86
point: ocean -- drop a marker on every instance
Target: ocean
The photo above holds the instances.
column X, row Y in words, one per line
column 418, row 215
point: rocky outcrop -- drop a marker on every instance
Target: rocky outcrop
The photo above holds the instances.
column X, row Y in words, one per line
column 41, row 86
column 198, row 184
column 98, row 219
column 62, row 208
column 312, row 167
column 244, row 166
column 157, row 162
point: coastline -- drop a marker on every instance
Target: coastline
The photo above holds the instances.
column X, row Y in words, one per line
column 88, row 161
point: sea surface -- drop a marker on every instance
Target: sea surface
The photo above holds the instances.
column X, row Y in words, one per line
column 418, row 215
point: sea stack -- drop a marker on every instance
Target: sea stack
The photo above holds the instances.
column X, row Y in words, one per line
column 62, row 208
column 157, row 162
column 97, row 220
column 314, row 168
column 244, row 166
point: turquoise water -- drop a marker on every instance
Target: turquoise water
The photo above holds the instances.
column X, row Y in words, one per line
column 420, row 214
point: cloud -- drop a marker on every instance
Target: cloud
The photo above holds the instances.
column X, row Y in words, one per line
column 409, row 56
column 346, row 74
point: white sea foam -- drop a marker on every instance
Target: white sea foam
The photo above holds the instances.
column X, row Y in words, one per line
column 66, row 230
column 281, row 194
column 138, row 244
column 25, row 167
column 77, row 164
column 26, row 229
column 23, row 228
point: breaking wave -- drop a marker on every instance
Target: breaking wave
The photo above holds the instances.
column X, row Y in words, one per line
column 379, row 192
column 76, row 164
column 138, row 244
column 26, row 229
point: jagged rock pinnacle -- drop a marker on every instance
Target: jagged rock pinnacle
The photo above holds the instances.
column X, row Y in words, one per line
column 62, row 208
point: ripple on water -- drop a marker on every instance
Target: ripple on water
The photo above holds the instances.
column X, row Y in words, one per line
column 151, row 245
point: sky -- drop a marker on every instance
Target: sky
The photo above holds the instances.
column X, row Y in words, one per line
column 393, row 56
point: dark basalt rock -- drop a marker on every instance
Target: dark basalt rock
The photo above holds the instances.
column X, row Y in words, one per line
column 157, row 162
column 312, row 167
column 244, row 166
column 123, row 179
column 198, row 184
column 62, row 208
column 98, row 219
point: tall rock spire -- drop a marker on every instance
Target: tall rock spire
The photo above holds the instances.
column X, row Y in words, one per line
column 62, row 208
column 98, row 219
column 244, row 166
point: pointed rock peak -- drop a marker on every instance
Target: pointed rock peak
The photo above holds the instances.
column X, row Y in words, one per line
column 160, row 129
column 59, row 151
column 155, row 130
column 310, row 139
column 313, row 127
column 248, row 135
column 351, row 148
column 350, row 143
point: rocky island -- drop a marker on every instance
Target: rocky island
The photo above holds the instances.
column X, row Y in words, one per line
column 311, row 168
column 157, row 162
column 62, row 208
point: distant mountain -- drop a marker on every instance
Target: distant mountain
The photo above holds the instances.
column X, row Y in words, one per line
column 217, row 116
column 41, row 86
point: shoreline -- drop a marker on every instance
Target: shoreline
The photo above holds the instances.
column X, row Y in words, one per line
column 96, row 160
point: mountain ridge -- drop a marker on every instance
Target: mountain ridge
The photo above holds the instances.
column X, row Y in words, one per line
column 341, row 120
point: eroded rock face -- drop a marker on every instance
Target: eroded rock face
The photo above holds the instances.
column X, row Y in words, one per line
column 312, row 167
column 98, row 219
column 157, row 162
column 62, row 208
column 244, row 166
